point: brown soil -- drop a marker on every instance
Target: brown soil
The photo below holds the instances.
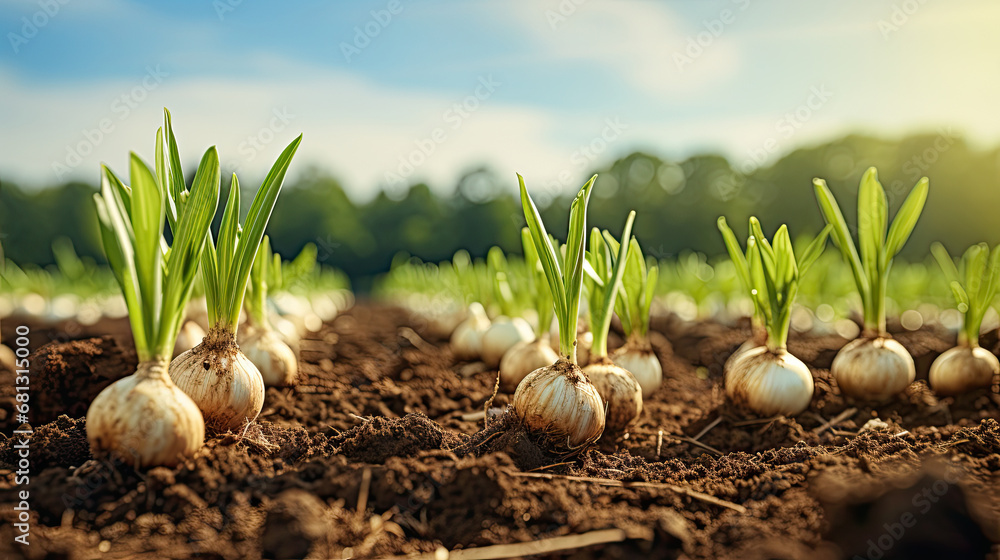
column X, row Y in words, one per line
column 366, row 458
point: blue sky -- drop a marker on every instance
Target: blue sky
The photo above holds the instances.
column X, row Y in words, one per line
column 548, row 88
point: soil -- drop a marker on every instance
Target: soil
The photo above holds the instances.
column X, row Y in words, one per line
column 367, row 458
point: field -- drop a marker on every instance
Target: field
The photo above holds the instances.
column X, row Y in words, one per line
column 372, row 456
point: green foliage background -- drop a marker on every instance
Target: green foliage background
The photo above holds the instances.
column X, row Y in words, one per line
column 677, row 203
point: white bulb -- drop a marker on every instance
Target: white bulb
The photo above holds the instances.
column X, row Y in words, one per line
column 274, row 359
column 225, row 385
column 642, row 363
column 522, row 359
column 963, row 369
column 145, row 420
column 620, row 392
column 873, row 368
column 467, row 339
column 191, row 335
column 769, row 383
column 501, row 336
column 559, row 403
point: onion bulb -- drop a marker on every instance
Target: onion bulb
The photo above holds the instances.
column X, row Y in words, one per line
column 145, row 420
column 501, row 336
column 274, row 359
column 620, row 392
column 637, row 358
column 559, row 404
column 225, row 385
column 962, row 369
column 584, row 342
column 522, row 359
column 467, row 340
column 873, row 368
column 769, row 382
column 190, row 336
column 743, row 349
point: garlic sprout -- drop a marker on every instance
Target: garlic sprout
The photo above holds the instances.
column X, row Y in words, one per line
column 144, row 419
column 632, row 307
column 767, row 379
column 261, row 343
column 225, row 385
column 968, row 366
column 558, row 404
column 874, row 366
column 618, row 387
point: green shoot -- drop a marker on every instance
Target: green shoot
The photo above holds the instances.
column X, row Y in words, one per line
column 265, row 274
column 155, row 279
column 603, row 289
column 637, row 290
column 226, row 263
column 535, row 284
column 565, row 279
column 974, row 285
column 871, row 265
column 499, row 269
column 770, row 274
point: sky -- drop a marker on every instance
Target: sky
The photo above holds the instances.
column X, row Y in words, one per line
column 392, row 92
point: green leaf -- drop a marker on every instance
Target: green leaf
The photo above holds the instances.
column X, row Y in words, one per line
column 906, row 218
column 147, row 223
column 842, row 238
column 256, row 222
column 945, row 261
column 872, row 218
column 813, row 250
column 189, row 246
column 225, row 248
column 735, row 253
column 546, row 253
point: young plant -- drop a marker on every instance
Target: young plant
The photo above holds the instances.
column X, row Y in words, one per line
column 508, row 329
column 261, row 344
column 225, row 385
column 968, row 366
column 527, row 356
column 766, row 378
column 638, row 287
column 558, row 404
column 616, row 385
column 144, row 419
column 874, row 366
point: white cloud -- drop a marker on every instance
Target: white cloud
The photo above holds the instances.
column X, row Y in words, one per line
column 353, row 128
column 653, row 49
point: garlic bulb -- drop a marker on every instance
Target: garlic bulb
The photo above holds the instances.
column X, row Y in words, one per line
column 620, row 391
column 225, row 385
column 769, row 382
column 503, row 334
column 637, row 358
column 275, row 361
column 561, row 405
column 190, row 336
column 873, row 368
column 962, row 369
column 743, row 349
column 145, row 420
column 522, row 359
column 467, row 339
column 286, row 330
